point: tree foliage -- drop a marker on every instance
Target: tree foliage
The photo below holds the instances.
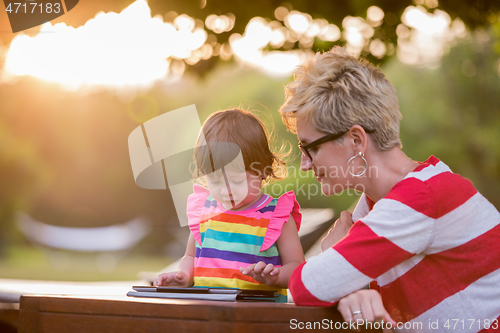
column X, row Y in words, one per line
column 474, row 13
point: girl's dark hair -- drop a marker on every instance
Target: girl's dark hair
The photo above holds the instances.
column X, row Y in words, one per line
column 227, row 132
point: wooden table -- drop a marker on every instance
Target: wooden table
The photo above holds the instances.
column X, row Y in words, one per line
column 9, row 317
column 85, row 314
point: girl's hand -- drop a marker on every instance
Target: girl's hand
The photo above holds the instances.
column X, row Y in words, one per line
column 267, row 274
column 364, row 305
column 172, row 279
column 338, row 231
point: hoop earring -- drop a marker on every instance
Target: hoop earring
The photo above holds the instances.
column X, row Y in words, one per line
column 362, row 156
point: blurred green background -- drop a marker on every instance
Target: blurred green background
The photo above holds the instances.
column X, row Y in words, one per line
column 64, row 156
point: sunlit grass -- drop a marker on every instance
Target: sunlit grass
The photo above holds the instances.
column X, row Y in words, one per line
column 39, row 264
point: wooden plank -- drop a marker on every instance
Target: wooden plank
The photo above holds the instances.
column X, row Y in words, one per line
column 182, row 309
column 29, row 321
column 9, row 319
column 283, row 313
column 53, row 314
column 256, row 327
column 74, row 323
column 63, row 323
column 121, row 306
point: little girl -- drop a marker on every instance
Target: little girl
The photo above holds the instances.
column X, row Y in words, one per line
column 240, row 237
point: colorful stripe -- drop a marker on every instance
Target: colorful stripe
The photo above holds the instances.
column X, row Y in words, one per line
column 222, row 263
column 217, row 282
column 225, row 236
column 235, row 219
column 223, row 273
column 236, row 256
column 213, row 281
column 240, row 248
column 267, row 209
column 210, row 203
column 233, row 227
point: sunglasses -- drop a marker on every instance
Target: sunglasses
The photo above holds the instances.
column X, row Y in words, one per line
column 329, row 137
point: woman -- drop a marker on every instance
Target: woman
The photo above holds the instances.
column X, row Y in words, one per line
column 423, row 237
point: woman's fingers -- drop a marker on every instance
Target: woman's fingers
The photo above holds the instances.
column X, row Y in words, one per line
column 379, row 311
column 344, row 307
column 338, row 231
column 346, row 218
column 354, row 308
column 366, row 312
column 364, row 306
column 388, row 319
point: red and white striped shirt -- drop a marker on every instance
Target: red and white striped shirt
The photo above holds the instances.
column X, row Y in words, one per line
column 431, row 247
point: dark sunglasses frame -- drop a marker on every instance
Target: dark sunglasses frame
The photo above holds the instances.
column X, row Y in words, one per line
column 323, row 139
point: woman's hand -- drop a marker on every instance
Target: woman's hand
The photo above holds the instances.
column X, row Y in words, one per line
column 364, row 305
column 267, row 274
column 338, row 231
column 172, row 279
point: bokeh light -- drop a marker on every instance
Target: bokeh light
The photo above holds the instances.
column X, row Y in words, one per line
column 113, row 50
column 377, row 48
column 281, row 13
column 426, row 37
column 357, row 34
column 330, row 33
column 374, row 16
column 298, row 22
column 220, row 24
column 132, row 50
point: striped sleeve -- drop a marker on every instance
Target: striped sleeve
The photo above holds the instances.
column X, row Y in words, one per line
column 397, row 228
column 301, row 295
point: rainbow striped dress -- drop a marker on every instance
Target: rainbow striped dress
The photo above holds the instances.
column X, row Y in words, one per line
column 227, row 240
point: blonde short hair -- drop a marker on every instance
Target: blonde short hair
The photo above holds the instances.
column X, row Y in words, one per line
column 336, row 91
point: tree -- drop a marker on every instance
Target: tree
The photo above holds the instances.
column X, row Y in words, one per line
column 475, row 14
